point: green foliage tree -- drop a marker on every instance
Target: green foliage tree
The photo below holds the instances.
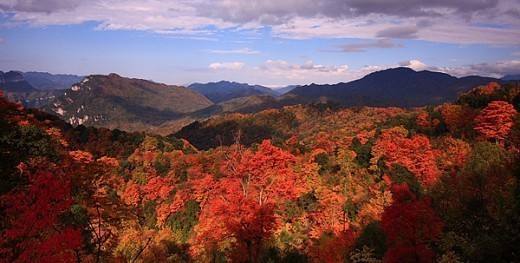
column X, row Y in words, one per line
column 363, row 152
column 183, row 221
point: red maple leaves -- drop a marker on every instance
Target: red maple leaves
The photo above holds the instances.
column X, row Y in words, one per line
column 33, row 214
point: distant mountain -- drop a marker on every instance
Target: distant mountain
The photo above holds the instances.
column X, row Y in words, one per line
column 34, row 99
column 248, row 104
column 402, row 87
column 286, row 89
column 511, row 77
column 47, row 81
column 130, row 104
column 14, row 81
column 226, row 90
column 17, row 89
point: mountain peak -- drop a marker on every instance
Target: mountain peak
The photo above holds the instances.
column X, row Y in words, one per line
column 401, row 69
column 398, row 70
column 226, row 82
column 114, row 75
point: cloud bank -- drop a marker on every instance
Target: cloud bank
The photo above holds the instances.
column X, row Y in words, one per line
column 463, row 21
column 496, row 69
column 362, row 47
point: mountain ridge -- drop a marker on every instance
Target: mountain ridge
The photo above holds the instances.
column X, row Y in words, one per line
column 226, row 90
column 48, row 81
column 133, row 104
column 401, row 86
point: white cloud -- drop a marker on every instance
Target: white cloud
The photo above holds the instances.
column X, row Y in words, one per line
column 226, row 65
column 279, row 73
column 176, row 17
column 301, row 71
column 414, row 64
column 242, row 51
column 446, row 30
column 492, row 69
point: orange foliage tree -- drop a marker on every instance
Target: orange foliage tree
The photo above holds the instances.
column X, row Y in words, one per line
column 454, row 154
column 495, row 121
column 457, row 118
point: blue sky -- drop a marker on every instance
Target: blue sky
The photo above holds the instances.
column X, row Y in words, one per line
column 264, row 42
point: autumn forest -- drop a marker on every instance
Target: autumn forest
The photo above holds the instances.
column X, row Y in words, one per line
column 302, row 183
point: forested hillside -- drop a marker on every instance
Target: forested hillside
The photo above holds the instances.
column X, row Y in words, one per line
column 303, row 183
column 112, row 101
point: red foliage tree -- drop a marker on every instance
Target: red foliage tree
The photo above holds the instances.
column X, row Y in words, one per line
column 33, row 231
column 243, row 202
column 415, row 153
column 157, row 187
column 410, row 225
column 333, row 248
column 81, row 156
column 423, row 120
column 495, row 121
column 488, row 89
column 131, row 195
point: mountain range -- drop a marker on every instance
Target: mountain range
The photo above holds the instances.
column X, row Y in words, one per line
column 35, row 89
column 17, row 81
column 14, row 81
column 140, row 105
column 401, row 87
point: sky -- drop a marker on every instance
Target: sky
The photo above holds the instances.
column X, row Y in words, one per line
column 267, row 42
